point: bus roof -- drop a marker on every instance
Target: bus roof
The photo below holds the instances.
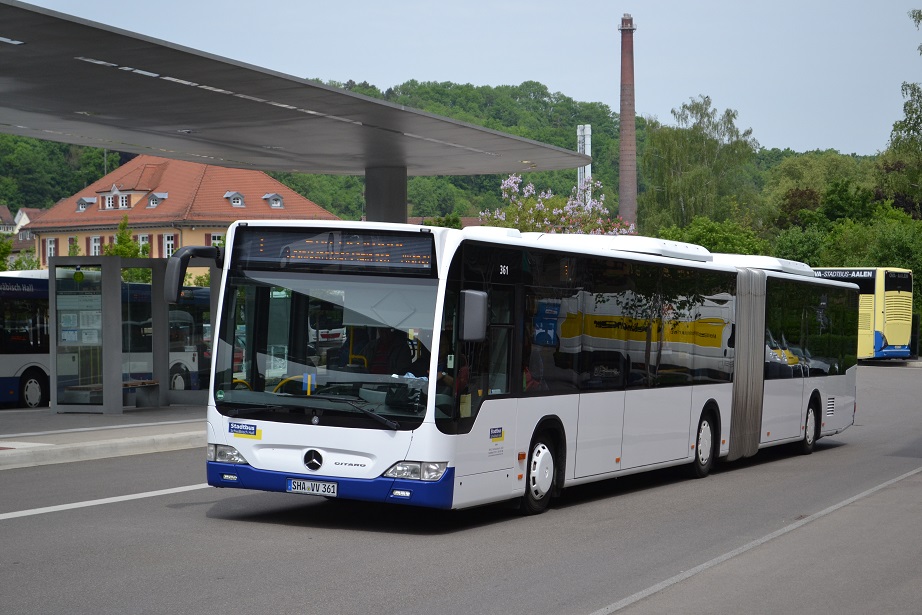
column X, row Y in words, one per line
column 626, row 243
column 40, row 274
column 769, row 263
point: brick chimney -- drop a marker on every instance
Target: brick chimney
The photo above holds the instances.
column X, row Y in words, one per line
column 627, row 176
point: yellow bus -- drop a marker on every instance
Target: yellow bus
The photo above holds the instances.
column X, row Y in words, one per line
column 884, row 309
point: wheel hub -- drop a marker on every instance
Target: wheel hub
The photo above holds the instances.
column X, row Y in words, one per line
column 704, row 443
column 32, row 392
column 541, row 476
column 810, row 427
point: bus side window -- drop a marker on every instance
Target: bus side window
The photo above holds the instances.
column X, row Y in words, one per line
column 498, row 380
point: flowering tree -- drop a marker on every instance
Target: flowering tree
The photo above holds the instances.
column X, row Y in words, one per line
column 530, row 210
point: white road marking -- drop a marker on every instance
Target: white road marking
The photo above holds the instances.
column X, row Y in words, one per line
column 617, row 606
column 113, row 500
column 100, row 428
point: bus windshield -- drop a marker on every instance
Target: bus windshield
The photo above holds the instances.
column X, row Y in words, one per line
column 327, row 350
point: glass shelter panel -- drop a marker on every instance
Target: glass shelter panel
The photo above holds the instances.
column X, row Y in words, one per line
column 80, row 336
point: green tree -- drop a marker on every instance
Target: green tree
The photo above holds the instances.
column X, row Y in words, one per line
column 434, row 196
column 25, row 261
column 901, row 165
column 842, row 200
column 38, row 173
column 451, row 220
column 795, row 201
column 803, row 244
column 891, row 238
column 6, row 246
column 126, row 247
column 799, row 181
column 341, row 195
column 703, row 166
column 727, row 236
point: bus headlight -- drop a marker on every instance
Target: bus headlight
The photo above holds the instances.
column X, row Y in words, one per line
column 224, row 454
column 417, row 470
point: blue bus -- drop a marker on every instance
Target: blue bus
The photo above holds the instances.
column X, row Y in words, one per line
column 25, row 337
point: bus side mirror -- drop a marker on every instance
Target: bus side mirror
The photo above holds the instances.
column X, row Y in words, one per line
column 177, row 264
column 473, row 316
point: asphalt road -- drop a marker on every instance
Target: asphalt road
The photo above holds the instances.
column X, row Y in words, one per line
column 837, row 531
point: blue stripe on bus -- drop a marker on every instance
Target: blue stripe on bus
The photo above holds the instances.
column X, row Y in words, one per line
column 437, row 494
column 9, row 389
column 888, row 352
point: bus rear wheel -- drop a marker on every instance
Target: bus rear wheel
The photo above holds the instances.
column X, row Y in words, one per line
column 704, row 446
column 33, row 389
column 541, row 476
column 811, row 430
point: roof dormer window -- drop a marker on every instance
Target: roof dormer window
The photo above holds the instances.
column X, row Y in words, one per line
column 156, row 198
column 275, row 200
column 108, row 201
column 84, row 202
column 123, row 201
column 235, row 198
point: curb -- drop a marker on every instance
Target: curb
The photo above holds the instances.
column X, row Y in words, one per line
column 102, row 449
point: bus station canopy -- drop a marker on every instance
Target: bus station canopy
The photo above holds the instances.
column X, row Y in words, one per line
column 72, row 80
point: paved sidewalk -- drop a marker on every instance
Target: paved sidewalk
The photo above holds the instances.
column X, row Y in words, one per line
column 40, row 437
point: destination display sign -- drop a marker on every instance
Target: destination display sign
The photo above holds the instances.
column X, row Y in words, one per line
column 313, row 249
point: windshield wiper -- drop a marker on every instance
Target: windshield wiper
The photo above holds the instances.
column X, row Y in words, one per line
column 354, row 402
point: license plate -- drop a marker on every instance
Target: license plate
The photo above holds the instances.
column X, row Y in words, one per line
column 312, row 487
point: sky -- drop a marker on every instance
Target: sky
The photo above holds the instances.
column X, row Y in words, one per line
column 802, row 74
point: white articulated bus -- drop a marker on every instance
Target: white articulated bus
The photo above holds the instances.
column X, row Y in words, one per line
column 484, row 364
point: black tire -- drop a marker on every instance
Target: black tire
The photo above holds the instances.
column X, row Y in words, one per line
column 705, row 446
column 179, row 378
column 33, row 389
column 811, row 430
column 541, row 476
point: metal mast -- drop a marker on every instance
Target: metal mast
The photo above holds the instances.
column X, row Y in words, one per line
column 627, row 175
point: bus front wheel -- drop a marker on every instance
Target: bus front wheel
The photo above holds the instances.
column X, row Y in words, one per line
column 33, row 389
column 541, row 476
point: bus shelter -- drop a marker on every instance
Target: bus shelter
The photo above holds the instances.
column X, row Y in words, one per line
column 115, row 343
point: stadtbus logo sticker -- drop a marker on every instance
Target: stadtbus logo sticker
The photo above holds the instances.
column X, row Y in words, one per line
column 496, row 434
column 245, row 430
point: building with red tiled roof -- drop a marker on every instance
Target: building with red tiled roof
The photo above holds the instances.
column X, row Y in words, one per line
column 22, row 238
column 169, row 204
column 6, row 220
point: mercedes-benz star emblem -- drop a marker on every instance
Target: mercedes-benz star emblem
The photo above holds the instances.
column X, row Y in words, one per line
column 313, row 460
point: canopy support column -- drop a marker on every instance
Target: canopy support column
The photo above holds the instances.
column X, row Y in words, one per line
column 386, row 194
